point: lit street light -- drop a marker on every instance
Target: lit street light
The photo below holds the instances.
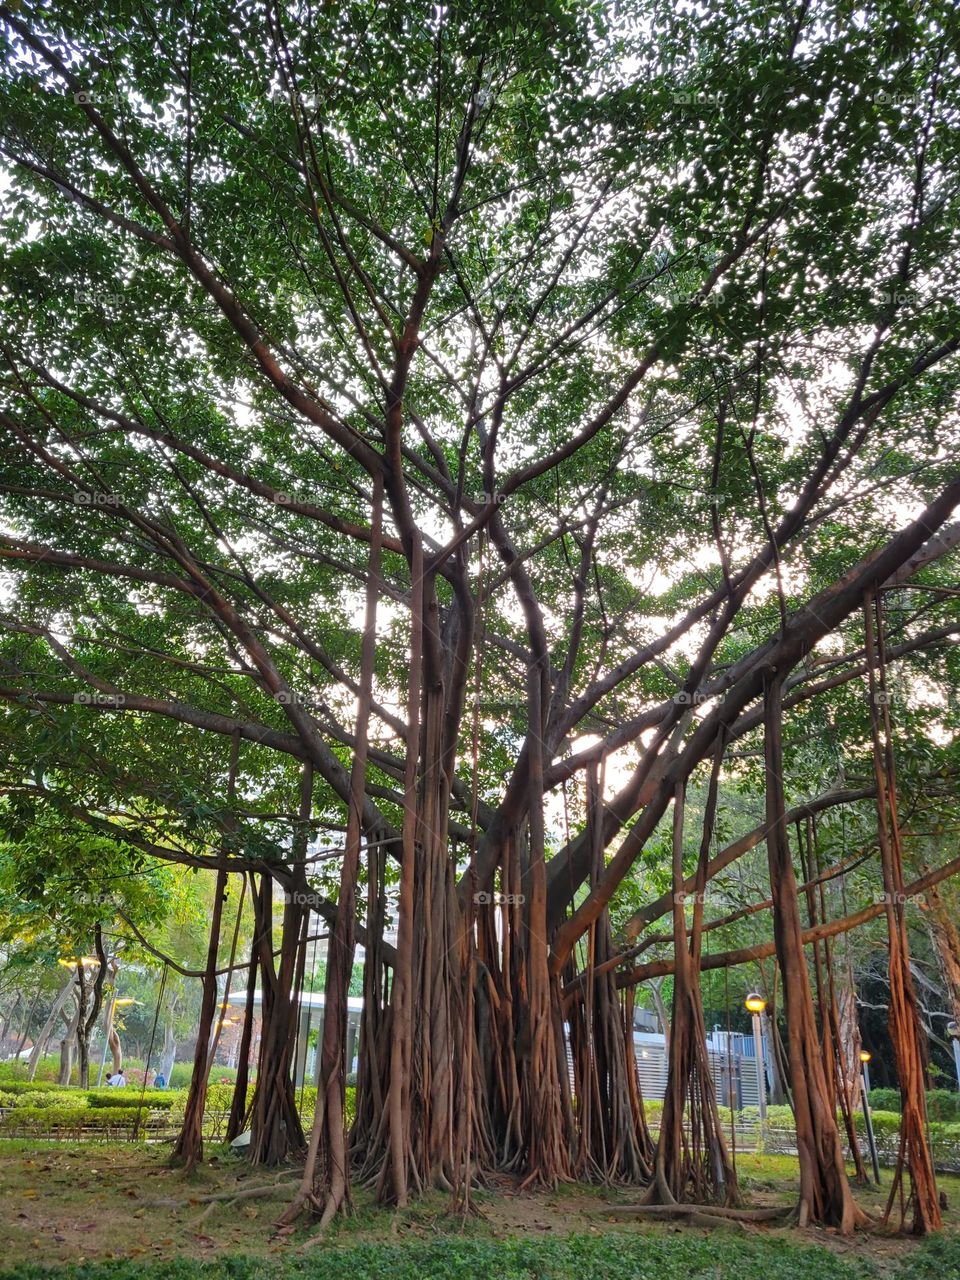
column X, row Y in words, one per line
column 755, row 1005
column 865, row 1057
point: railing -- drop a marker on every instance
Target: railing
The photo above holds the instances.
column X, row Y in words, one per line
column 160, row 1125
column 781, row 1140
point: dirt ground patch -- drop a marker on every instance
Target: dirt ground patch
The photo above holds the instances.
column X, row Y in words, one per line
column 74, row 1202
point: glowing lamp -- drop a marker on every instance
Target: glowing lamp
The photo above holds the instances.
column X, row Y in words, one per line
column 865, row 1055
column 755, row 1003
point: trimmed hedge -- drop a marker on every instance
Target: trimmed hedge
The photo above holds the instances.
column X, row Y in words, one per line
column 31, row 1086
column 44, row 1110
column 942, row 1104
column 50, row 1098
column 155, row 1099
column 48, row 1119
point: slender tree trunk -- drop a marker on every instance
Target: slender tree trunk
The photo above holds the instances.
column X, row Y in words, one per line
column 945, row 937
column 67, row 1048
column 326, row 1174
column 825, row 1195
column 614, row 1141
column 237, row 1120
column 697, row 1166
column 89, row 1002
column 8, row 1018
column 116, row 1050
column 399, row 1168
column 168, row 1054
column 850, row 1041
column 189, row 1145
column 903, row 1017
column 656, row 991
column 542, row 1067
column 26, row 1027
column 47, row 1029
column 778, row 1089
column 83, row 1034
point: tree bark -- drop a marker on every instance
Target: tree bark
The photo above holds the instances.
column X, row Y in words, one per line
column 903, row 1015
column 695, row 1167
column 276, row 1130
column 68, row 1047
column 237, row 1120
column 326, row 1180
column 825, row 1195
column 46, row 1030
column 945, row 937
column 189, row 1145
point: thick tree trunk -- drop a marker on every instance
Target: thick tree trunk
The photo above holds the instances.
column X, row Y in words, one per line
column 276, row 1130
column 825, row 1195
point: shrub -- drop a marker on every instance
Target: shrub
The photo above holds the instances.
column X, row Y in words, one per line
column 48, row 1119
column 179, row 1077
column 943, row 1104
column 886, row 1124
column 32, row 1086
column 156, row 1099
column 778, row 1117
column 885, row 1099
column 182, row 1071
column 42, row 1098
column 219, row 1096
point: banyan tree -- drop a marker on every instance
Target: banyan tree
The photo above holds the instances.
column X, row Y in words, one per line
column 436, row 439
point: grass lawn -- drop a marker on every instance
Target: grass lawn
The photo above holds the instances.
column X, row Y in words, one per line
column 109, row 1211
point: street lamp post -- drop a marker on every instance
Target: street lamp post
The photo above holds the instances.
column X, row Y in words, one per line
column 755, row 1005
column 953, row 1031
column 868, row 1118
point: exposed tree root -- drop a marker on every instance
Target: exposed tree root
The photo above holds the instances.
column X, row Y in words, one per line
column 685, row 1210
